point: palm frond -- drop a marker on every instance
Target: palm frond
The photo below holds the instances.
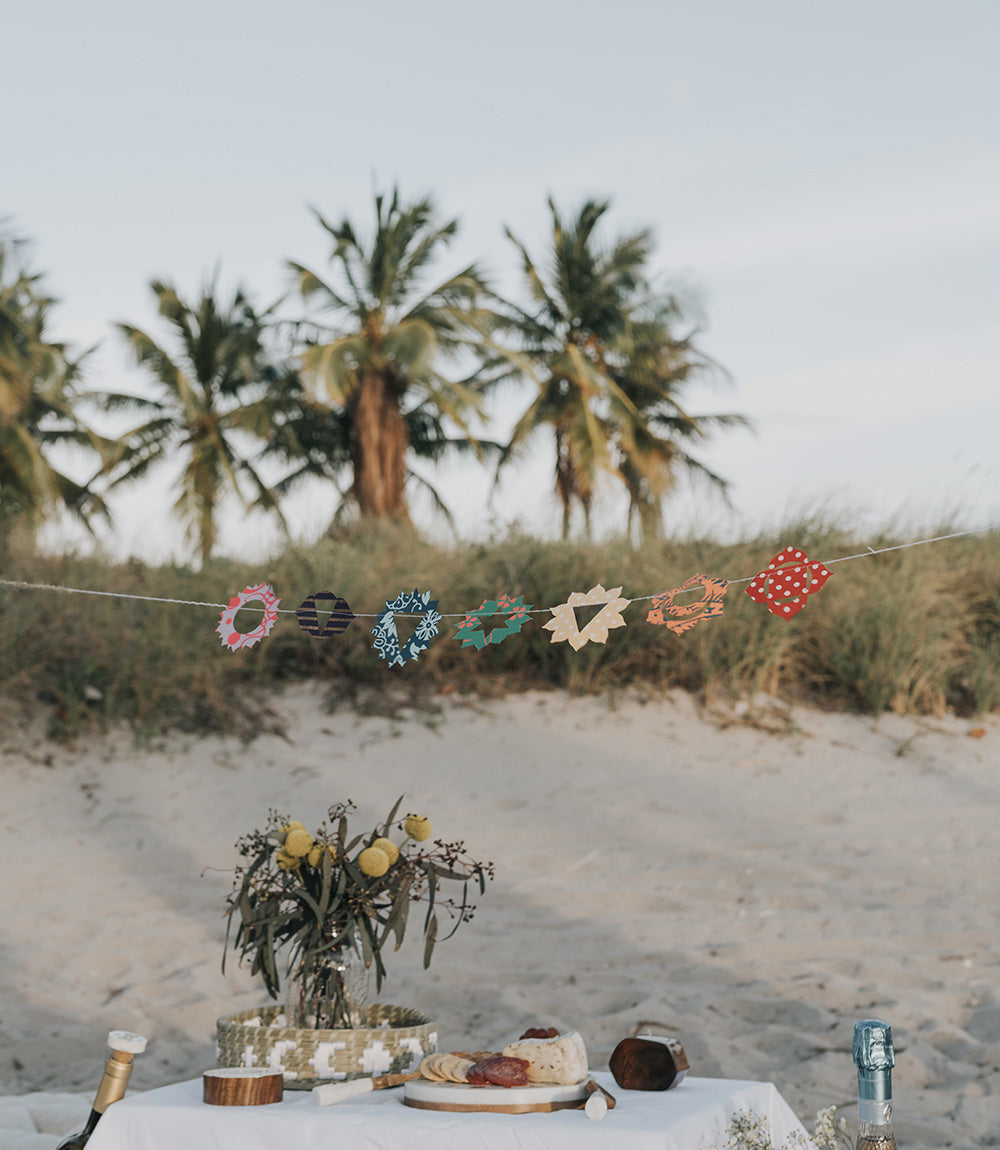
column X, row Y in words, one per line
column 310, row 284
column 439, row 504
column 337, row 365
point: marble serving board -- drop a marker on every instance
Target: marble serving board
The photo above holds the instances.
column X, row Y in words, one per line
column 459, row 1096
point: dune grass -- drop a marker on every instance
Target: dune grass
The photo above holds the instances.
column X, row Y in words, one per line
column 912, row 631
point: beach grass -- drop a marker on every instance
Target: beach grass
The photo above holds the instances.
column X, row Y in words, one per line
column 910, row 631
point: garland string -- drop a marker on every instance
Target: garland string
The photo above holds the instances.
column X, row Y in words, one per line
column 458, row 614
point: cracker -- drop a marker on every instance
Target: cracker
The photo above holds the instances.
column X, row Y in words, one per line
column 428, row 1068
column 455, row 1068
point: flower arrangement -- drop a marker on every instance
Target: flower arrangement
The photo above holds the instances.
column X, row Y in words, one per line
column 749, row 1131
column 329, row 898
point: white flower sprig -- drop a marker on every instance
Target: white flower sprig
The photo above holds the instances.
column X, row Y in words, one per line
column 749, row 1131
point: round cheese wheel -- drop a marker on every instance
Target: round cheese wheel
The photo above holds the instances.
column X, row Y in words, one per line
column 561, row 1060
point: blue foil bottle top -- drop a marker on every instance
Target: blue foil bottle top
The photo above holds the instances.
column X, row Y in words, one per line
column 874, row 1059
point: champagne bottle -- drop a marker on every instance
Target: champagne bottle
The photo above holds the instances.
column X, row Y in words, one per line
column 874, row 1059
column 117, row 1071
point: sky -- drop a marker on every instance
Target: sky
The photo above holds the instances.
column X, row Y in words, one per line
column 822, row 180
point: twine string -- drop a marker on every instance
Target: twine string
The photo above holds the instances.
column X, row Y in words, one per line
column 21, row 585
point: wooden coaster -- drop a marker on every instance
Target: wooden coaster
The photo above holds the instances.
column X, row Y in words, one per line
column 242, row 1086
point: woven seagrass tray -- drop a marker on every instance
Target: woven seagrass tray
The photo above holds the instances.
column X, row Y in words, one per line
column 394, row 1042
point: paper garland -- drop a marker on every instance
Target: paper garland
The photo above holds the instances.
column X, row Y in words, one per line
column 789, row 578
column 682, row 618
column 386, row 642
column 783, row 588
column 235, row 640
column 471, row 632
column 563, row 624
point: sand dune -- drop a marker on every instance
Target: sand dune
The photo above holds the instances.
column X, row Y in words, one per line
column 754, row 879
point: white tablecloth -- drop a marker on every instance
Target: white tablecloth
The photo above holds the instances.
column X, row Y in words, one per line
column 694, row 1116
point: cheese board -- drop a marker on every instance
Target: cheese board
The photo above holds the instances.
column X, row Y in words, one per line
column 460, row 1096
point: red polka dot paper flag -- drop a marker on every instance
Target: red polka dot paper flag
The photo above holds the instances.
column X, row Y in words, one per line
column 789, row 579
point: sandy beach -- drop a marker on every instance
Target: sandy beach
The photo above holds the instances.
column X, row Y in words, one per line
column 755, row 879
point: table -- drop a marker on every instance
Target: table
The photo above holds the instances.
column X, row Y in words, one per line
column 694, row 1116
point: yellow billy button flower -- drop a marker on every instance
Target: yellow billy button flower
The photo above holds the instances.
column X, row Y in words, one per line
column 298, row 843
column 389, row 847
column 286, row 861
column 373, row 862
column 417, row 827
column 292, row 826
column 313, row 857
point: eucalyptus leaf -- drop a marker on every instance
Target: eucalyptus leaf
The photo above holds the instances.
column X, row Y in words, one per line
column 460, row 918
column 400, row 912
column 444, row 872
column 379, row 971
column 368, row 947
column 304, row 896
column 327, row 871
column 430, row 937
column 391, row 817
column 431, row 892
column 355, row 874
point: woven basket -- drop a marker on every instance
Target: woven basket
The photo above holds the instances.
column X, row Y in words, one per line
column 394, row 1042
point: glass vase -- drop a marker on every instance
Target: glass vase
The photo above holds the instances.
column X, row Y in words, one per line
column 330, row 992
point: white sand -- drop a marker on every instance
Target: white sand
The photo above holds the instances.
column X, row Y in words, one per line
column 755, row 890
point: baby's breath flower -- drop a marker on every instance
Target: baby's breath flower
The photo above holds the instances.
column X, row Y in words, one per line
column 298, row 842
column 830, row 1132
column 417, row 827
column 373, row 862
column 389, row 847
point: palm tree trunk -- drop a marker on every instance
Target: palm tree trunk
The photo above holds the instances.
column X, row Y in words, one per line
column 379, row 451
column 564, row 479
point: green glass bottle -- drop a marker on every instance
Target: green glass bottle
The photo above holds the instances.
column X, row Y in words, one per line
column 873, row 1056
column 117, row 1071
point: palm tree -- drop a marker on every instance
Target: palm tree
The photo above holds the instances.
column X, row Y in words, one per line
column 316, row 438
column 380, row 357
column 212, row 383
column 599, row 344
column 38, row 398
